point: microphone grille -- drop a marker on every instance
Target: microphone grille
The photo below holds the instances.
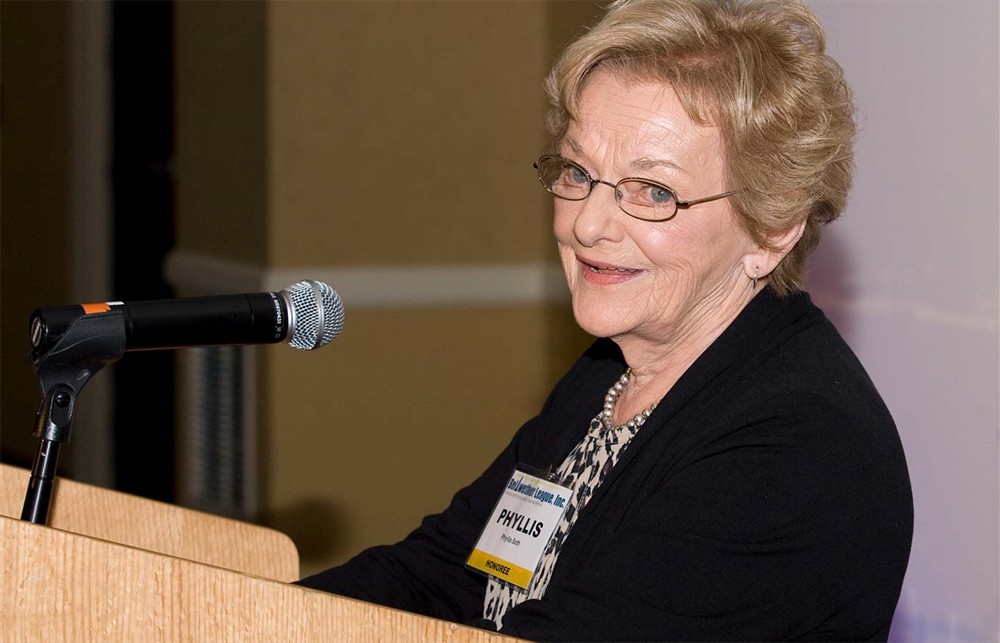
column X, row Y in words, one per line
column 315, row 312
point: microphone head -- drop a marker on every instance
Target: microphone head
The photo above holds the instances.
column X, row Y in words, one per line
column 315, row 314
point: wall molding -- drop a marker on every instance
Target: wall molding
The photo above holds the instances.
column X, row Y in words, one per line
column 378, row 286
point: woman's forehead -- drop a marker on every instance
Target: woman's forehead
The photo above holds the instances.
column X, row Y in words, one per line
column 642, row 122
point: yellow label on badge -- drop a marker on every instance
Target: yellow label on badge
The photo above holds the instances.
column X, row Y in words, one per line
column 500, row 568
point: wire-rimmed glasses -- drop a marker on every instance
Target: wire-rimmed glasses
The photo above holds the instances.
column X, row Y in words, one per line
column 640, row 198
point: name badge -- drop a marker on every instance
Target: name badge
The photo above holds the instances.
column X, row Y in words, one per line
column 519, row 528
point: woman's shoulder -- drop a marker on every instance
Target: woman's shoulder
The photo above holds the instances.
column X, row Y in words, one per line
column 809, row 357
column 784, row 370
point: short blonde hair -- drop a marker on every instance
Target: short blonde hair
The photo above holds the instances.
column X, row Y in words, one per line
column 757, row 70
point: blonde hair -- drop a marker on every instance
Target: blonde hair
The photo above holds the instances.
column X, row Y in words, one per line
column 757, row 70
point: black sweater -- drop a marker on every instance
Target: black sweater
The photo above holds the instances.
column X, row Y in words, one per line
column 766, row 498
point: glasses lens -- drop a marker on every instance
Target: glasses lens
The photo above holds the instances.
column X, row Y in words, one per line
column 563, row 178
column 646, row 200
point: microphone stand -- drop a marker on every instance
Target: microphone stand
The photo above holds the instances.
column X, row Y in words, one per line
column 63, row 368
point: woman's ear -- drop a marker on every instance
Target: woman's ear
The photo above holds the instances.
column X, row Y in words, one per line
column 760, row 262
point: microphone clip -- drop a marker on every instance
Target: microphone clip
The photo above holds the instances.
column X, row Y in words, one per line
column 87, row 345
column 63, row 368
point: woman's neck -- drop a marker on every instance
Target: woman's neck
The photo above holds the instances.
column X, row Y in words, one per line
column 657, row 362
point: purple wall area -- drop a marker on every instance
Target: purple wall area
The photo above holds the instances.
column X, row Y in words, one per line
column 910, row 276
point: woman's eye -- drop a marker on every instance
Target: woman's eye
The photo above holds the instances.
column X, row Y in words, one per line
column 577, row 175
column 659, row 195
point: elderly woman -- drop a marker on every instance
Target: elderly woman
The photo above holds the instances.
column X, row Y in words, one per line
column 729, row 470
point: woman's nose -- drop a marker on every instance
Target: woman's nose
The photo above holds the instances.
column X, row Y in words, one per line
column 598, row 217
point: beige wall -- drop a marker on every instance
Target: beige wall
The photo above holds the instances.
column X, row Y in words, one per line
column 409, row 407
column 402, row 130
column 221, row 129
column 392, row 134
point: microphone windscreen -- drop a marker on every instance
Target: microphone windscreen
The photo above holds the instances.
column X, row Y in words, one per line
column 316, row 314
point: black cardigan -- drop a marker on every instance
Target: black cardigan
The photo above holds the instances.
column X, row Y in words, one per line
column 766, row 498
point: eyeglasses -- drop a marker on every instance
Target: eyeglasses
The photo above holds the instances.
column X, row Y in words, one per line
column 640, row 198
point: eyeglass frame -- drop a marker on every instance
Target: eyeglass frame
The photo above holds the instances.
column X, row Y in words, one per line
column 678, row 203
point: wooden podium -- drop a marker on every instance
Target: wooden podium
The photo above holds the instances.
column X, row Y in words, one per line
column 115, row 567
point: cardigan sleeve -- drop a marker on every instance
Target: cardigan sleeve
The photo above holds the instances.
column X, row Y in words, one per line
column 778, row 528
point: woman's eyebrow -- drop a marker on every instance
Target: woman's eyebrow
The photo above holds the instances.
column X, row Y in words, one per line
column 573, row 145
column 645, row 164
column 639, row 165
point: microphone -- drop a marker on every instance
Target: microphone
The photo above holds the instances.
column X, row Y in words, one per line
column 309, row 314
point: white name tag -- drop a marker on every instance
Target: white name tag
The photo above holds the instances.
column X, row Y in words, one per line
column 519, row 528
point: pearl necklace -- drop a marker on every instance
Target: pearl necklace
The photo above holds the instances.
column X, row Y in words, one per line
column 612, row 398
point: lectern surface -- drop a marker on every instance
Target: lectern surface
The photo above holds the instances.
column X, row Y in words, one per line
column 60, row 586
column 157, row 527
column 115, row 567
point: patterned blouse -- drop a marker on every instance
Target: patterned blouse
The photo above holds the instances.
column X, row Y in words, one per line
column 582, row 471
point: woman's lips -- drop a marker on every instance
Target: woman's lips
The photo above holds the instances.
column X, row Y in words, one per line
column 605, row 274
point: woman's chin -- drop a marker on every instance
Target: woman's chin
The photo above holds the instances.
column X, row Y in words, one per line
column 598, row 321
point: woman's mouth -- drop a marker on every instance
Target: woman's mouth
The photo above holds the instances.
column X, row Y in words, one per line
column 599, row 269
column 604, row 274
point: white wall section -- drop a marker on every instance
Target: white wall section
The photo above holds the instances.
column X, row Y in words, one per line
column 910, row 276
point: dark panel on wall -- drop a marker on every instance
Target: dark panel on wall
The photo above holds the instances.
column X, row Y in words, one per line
column 34, row 172
column 142, row 55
